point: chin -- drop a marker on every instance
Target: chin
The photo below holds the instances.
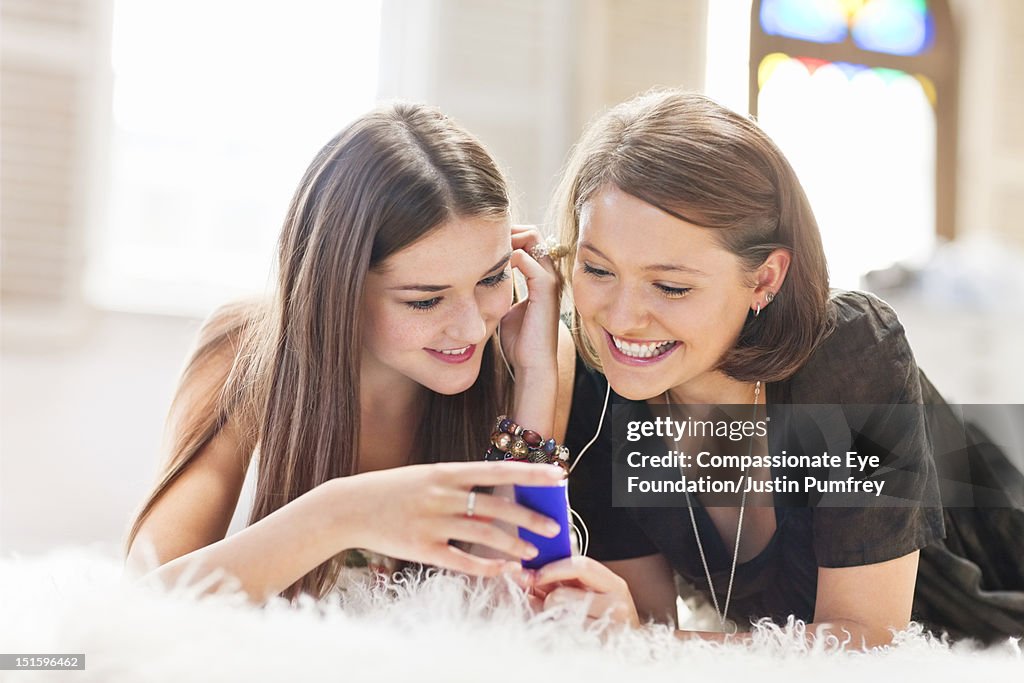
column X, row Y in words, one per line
column 631, row 387
column 453, row 390
column 634, row 393
column 450, row 386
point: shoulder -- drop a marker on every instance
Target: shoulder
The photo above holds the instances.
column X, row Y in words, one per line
column 224, row 328
column 214, row 359
column 862, row 319
column 865, row 358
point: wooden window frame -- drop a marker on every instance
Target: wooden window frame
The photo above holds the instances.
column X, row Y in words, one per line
column 940, row 64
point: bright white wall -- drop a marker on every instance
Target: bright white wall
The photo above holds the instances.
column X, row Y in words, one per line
column 80, row 418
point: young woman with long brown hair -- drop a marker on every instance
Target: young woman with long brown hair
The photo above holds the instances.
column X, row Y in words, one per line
column 698, row 278
column 376, row 360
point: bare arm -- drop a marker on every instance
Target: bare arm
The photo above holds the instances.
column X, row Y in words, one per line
column 407, row 512
column 856, row 605
column 859, row 604
column 183, row 534
column 270, row 555
column 530, row 337
column 652, row 585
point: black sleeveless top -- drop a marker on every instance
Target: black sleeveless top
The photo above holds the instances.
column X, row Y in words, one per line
column 971, row 571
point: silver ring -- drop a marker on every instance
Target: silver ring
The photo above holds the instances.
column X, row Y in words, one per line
column 470, row 503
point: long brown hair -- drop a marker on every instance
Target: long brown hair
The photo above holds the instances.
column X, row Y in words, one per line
column 292, row 393
column 707, row 165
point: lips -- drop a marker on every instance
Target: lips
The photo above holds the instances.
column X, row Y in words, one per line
column 454, row 356
column 640, row 352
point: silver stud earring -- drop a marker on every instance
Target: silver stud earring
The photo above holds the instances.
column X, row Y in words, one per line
column 769, row 297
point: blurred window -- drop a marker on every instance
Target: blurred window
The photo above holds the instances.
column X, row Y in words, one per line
column 218, row 107
column 861, row 97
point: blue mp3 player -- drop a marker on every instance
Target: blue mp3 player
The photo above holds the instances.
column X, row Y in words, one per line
column 553, row 502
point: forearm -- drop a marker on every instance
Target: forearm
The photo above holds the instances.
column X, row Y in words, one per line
column 276, row 551
column 534, row 400
column 853, row 634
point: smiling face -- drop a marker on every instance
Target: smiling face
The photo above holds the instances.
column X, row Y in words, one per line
column 429, row 309
column 660, row 300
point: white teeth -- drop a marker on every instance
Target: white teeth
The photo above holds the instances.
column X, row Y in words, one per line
column 455, row 352
column 648, row 350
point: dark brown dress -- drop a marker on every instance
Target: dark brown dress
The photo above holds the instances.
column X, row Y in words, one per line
column 971, row 574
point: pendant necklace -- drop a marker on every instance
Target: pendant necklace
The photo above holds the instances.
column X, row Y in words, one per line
column 739, row 528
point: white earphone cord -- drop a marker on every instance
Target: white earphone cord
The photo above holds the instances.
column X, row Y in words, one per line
column 585, row 544
column 581, row 531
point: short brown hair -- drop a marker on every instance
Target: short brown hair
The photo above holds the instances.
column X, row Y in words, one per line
column 709, row 166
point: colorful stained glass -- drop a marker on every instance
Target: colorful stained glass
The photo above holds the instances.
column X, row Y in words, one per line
column 899, row 27
column 822, row 21
column 862, row 141
column 768, row 65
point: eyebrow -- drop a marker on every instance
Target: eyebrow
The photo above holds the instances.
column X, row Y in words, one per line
column 654, row 266
column 440, row 288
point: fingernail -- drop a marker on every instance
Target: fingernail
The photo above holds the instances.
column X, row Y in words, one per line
column 552, row 530
column 531, row 552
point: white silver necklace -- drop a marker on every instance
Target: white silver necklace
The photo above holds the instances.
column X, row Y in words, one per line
column 739, row 528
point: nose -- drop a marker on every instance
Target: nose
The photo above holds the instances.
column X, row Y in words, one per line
column 467, row 323
column 626, row 313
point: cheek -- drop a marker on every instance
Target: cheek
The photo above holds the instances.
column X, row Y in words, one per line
column 584, row 297
column 495, row 302
column 709, row 326
column 394, row 329
column 373, row 328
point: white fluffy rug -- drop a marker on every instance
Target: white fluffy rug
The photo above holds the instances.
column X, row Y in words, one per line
column 443, row 628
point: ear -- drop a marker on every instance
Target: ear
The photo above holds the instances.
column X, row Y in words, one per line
column 769, row 277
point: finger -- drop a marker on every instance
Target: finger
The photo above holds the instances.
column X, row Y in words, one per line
column 526, row 240
column 540, row 275
column 466, row 475
column 566, row 596
column 523, row 231
column 523, row 578
column 587, row 571
column 535, row 270
column 538, row 591
column 456, row 559
column 482, row 533
column 503, row 509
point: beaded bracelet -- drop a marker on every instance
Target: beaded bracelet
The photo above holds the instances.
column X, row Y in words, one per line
column 511, row 442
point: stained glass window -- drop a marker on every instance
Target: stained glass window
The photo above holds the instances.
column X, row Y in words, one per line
column 860, row 95
column 899, row 27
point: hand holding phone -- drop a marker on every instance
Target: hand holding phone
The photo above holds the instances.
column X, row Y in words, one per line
column 552, row 501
